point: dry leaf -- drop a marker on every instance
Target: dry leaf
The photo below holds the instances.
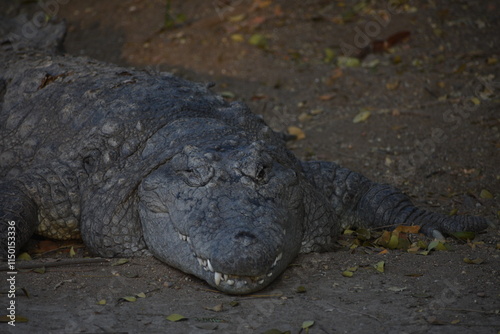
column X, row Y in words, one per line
column 175, row 317
column 379, row 266
column 24, row 257
column 347, row 273
column 362, row 116
column 407, row 229
column 485, row 194
column 216, row 308
column 327, row 97
column 297, row 132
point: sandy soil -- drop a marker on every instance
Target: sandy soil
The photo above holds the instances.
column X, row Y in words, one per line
column 432, row 130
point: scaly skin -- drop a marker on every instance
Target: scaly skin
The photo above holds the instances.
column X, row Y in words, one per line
column 141, row 163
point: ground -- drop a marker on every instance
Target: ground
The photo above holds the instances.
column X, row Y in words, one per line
column 420, row 112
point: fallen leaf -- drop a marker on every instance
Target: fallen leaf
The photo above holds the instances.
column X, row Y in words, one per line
column 237, row 18
column 300, row 289
column 129, row 298
column 19, row 318
column 216, row 308
column 348, row 231
column 413, row 249
column 304, row 117
column 394, row 241
column 141, row 295
column 414, row 229
column 227, row 95
column 258, row 97
column 237, row 38
column 347, row 273
column 47, row 246
column 263, row 3
column 174, row 317
column 460, row 69
column 101, row 302
column 392, row 85
column 473, row 261
column 485, row 194
column 403, row 242
column 307, row 324
column 362, row 116
column 24, row 257
column 475, row 100
column 371, row 63
column 72, row 252
column 464, row 235
column 255, row 22
column 297, row 132
column 258, row 40
column 343, row 61
column 433, row 244
column 119, row 262
column 329, row 55
column 380, row 266
column 40, row 270
column 422, row 244
column 363, row 234
column 492, row 60
column 327, row 97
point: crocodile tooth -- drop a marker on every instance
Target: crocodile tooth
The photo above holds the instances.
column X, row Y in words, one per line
column 184, row 237
column 261, row 281
column 180, row 236
column 270, row 274
column 230, row 282
column 210, row 266
column 200, row 261
column 280, row 255
column 204, row 263
column 217, row 278
column 188, row 239
column 225, row 277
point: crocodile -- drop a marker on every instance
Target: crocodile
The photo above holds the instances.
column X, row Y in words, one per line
column 138, row 163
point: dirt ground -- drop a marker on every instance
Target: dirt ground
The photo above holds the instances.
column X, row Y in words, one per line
column 420, row 112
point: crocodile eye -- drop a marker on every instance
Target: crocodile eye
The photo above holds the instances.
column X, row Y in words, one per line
column 261, row 174
column 197, row 177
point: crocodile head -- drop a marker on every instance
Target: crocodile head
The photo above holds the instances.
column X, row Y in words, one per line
column 226, row 208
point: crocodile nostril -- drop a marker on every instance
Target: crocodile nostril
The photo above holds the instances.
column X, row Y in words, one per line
column 246, row 238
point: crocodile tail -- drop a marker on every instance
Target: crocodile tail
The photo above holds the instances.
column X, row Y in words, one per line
column 357, row 202
column 37, row 33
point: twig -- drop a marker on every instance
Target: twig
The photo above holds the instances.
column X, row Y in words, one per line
column 467, row 310
column 355, row 311
column 61, row 263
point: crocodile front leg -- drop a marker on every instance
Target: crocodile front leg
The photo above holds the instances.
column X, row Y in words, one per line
column 18, row 218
